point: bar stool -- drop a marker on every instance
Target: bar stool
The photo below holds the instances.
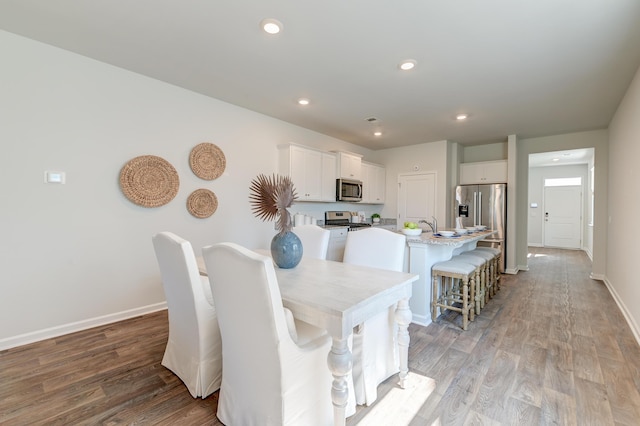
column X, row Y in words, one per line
column 446, row 291
column 490, row 276
column 480, row 280
column 497, row 262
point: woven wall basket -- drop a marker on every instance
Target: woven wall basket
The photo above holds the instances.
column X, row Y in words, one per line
column 149, row 181
column 207, row 161
column 202, row 203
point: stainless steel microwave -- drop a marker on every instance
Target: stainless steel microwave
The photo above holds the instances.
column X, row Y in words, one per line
column 348, row 190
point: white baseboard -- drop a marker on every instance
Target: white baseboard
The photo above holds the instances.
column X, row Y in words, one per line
column 48, row 333
column 421, row 320
column 586, row 250
column 535, row 245
column 632, row 324
column 598, row 277
column 514, row 271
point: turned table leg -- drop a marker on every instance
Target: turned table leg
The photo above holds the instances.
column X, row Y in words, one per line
column 403, row 318
column 340, row 363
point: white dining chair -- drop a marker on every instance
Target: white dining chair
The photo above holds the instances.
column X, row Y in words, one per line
column 274, row 371
column 315, row 240
column 194, row 346
column 375, row 346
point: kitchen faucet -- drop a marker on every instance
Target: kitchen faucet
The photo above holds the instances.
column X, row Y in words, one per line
column 433, row 225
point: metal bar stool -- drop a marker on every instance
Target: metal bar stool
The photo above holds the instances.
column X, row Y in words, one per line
column 481, row 265
column 451, row 283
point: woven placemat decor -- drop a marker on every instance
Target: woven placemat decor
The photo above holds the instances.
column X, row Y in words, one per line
column 202, row 203
column 149, row 181
column 207, row 161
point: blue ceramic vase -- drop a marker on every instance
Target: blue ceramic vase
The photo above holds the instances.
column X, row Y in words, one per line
column 286, row 250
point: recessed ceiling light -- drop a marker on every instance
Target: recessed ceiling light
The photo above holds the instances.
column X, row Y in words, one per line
column 377, row 133
column 556, row 159
column 408, row 64
column 271, row 26
column 303, row 101
column 461, row 117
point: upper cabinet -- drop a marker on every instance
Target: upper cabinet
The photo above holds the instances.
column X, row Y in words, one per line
column 350, row 165
column 483, row 172
column 312, row 172
column 373, row 183
column 329, row 162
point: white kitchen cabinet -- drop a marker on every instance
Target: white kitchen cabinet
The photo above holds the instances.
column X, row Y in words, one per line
column 337, row 242
column 305, row 167
column 483, row 172
column 329, row 164
column 373, row 183
column 367, row 170
column 350, row 165
column 378, row 181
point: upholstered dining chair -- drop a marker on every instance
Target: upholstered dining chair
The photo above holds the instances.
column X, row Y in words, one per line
column 375, row 346
column 274, row 371
column 315, row 240
column 194, row 346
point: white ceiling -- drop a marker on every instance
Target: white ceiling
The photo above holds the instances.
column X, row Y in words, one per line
column 530, row 68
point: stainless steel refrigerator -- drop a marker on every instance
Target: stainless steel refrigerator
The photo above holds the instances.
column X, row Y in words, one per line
column 484, row 205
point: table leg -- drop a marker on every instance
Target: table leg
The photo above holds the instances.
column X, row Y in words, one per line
column 340, row 363
column 403, row 318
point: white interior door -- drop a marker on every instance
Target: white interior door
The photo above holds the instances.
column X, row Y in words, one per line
column 416, row 198
column 563, row 216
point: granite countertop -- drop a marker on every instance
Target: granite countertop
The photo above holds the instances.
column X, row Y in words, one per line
column 429, row 238
column 383, row 222
column 333, row 226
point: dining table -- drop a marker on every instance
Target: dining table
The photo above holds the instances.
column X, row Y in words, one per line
column 337, row 297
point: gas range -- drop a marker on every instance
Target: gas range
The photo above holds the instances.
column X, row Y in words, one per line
column 343, row 218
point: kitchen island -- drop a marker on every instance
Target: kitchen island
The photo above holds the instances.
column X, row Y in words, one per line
column 424, row 251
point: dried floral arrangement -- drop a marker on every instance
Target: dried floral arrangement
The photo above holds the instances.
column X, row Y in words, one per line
column 270, row 198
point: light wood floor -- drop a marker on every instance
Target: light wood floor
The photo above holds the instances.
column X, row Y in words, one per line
column 551, row 348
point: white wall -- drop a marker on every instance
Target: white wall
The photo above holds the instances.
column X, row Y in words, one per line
column 426, row 157
column 486, row 152
column 79, row 254
column 537, row 175
column 624, row 177
column 590, row 218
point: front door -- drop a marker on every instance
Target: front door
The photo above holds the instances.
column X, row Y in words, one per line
column 563, row 216
column 416, row 198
